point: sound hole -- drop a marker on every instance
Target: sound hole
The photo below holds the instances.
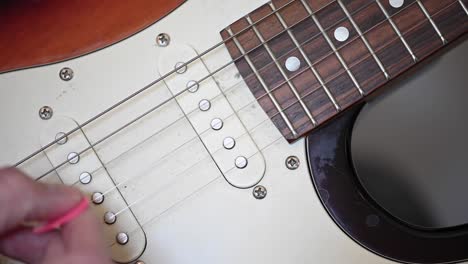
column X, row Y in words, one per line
column 409, row 147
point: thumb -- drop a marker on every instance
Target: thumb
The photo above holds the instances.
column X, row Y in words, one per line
column 24, row 200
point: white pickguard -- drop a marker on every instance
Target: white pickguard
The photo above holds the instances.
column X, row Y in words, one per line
column 187, row 209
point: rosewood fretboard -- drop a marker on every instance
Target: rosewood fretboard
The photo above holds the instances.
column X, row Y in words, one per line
column 346, row 49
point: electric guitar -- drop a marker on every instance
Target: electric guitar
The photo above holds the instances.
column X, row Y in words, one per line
column 212, row 131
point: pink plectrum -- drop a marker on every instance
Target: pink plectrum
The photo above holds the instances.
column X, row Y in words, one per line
column 63, row 219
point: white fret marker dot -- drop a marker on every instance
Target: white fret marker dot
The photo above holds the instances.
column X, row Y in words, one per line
column 341, row 34
column 292, row 64
column 396, row 3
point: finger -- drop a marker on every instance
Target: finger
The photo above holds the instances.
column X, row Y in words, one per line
column 24, row 245
column 23, row 200
column 83, row 234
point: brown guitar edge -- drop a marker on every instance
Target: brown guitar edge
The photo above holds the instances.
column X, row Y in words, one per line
column 38, row 33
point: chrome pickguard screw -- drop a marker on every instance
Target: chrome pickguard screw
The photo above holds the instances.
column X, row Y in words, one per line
column 163, row 40
column 45, row 113
column 292, row 162
column 66, row 74
column 259, row 192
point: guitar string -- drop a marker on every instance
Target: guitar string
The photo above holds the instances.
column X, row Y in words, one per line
column 196, row 110
column 206, row 157
column 216, row 178
column 167, row 100
column 196, row 191
column 157, row 162
column 397, row 38
column 189, row 87
column 180, row 201
column 81, row 126
column 112, row 107
column 249, row 104
column 150, row 195
column 265, row 120
column 193, row 193
column 176, row 177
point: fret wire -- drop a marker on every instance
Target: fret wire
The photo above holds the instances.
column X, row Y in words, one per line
column 394, row 26
column 364, row 58
column 364, row 39
column 383, row 47
column 306, row 58
column 463, row 6
column 290, row 84
column 313, row 37
column 436, row 28
column 262, row 82
column 330, row 43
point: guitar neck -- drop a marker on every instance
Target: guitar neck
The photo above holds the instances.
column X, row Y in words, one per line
column 305, row 61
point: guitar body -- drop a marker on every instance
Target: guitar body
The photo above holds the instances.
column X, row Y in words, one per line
column 177, row 190
column 36, row 33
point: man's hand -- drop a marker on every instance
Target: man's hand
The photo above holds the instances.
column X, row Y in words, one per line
column 23, row 200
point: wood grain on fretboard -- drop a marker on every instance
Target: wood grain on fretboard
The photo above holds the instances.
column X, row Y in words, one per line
column 383, row 42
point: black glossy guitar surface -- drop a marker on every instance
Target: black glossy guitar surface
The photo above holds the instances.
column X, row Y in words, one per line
column 377, row 201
